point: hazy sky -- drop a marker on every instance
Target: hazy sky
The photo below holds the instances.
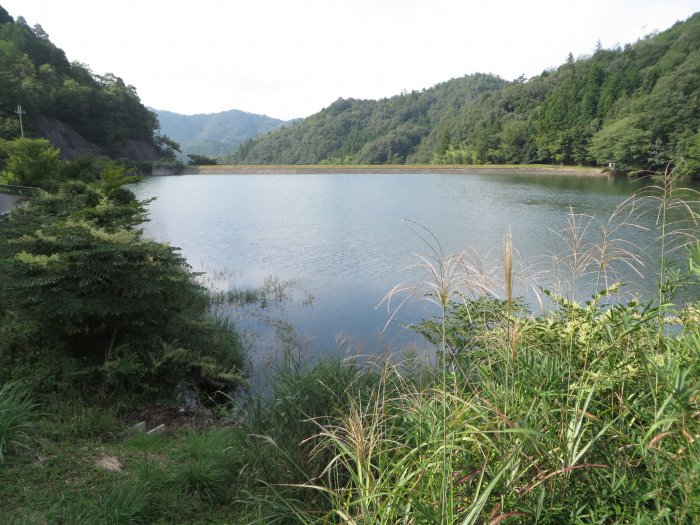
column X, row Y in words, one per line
column 291, row 58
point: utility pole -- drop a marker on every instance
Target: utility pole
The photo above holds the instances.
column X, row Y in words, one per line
column 19, row 112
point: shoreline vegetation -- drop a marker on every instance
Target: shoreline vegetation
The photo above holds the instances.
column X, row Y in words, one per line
column 288, row 169
column 586, row 412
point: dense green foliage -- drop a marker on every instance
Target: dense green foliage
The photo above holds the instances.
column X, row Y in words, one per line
column 588, row 415
column 215, row 134
column 200, row 160
column 88, row 303
column 35, row 74
column 29, row 162
column 637, row 106
column 367, row 131
column 36, row 163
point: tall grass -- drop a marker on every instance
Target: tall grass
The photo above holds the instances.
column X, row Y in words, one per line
column 565, row 430
column 589, row 414
column 17, row 411
column 675, row 210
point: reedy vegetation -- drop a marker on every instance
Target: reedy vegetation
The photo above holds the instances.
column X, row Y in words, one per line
column 587, row 414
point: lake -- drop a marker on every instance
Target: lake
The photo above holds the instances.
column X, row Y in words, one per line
column 343, row 239
column 7, row 202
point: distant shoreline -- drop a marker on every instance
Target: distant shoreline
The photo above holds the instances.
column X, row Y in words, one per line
column 403, row 168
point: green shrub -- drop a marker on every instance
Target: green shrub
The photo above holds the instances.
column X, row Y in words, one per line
column 90, row 305
column 31, row 162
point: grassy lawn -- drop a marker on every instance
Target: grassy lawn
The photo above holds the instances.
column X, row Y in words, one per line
column 85, row 465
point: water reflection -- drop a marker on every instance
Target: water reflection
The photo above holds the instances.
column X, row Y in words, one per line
column 341, row 237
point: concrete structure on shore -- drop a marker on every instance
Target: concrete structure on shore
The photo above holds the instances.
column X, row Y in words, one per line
column 392, row 168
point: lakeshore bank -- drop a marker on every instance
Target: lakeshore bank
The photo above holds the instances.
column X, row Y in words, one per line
column 402, row 168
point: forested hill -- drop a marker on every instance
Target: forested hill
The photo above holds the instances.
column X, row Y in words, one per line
column 368, row 131
column 638, row 106
column 214, row 134
column 55, row 93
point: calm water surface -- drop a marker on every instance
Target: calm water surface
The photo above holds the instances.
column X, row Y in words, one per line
column 7, row 202
column 342, row 236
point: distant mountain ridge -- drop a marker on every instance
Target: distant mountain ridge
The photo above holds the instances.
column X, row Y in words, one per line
column 214, row 134
column 636, row 106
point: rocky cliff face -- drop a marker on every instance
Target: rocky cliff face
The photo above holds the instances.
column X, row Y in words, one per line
column 66, row 139
column 73, row 145
column 140, row 151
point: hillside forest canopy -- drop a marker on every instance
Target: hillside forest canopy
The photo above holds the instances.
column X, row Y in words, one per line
column 637, row 106
column 36, row 75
